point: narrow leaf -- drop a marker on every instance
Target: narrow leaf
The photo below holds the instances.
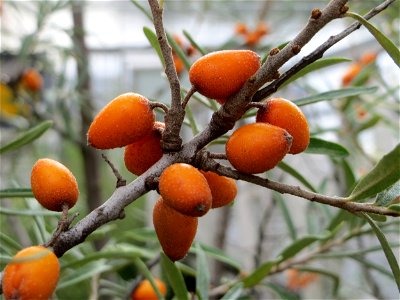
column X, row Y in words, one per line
column 30, row 212
column 390, row 196
column 142, row 9
column 193, row 43
column 146, row 273
column 288, row 169
column 175, row 278
column 385, row 173
column 178, row 50
column 27, row 137
column 220, row 256
column 6, row 240
column 152, row 37
column 281, row 292
column 317, row 65
column 320, row 146
column 395, row 207
column 335, row 278
column 234, row 292
column 335, row 94
column 16, row 193
column 260, row 273
column 394, row 266
column 286, row 215
column 203, row 275
column 385, row 42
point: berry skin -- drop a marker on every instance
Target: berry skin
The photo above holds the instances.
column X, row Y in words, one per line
column 367, row 58
column 53, row 184
column 221, row 74
column 241, row 28
column 258, row 147
column 124, row 120
column 31, row 275
column 32, row 80
column 145, row 291
column 142, row 154
column 174, row 230
column 185, row 189
column 287, row 115
column 351, row 73
column 223, row 189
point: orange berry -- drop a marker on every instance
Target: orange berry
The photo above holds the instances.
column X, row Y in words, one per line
column 252, row 38
column 351, row 73
column 32, row 80
column 179, row 66
column 258, row 147
column 145, row 291
column 287, row 115
column 185, row 189
column 124, row 120
column 262, row 28
column 142, row 154
column 174, row 230
column 368, row 58
column 190, row 50
column 53, row 184
column 223, row 189
column 32, row 274
column 240, row 28
column 220, row 74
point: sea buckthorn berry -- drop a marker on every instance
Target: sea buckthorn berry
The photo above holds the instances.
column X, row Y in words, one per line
column 252, row 38
column 258, row 147
column 185, row 189
column 287, row 115
column 32, row 80
column 174, row 230
column 241, row 28
column 351, row 73
column 32, row 274
column 220, row 74
column 223, row 189
column 145, row 291
column 262, row 28
column 53, row 184
column 142, row 154
column 367, row 58
column 124, row 120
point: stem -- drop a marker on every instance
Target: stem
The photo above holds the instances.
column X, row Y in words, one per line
column 188, row 95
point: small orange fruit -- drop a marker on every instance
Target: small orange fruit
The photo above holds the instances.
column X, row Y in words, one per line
column 174, row 230
column 145, row 291
column 32, row 274
column 53, row 184
column 179, row 66
column 367, row 58
column 220, row 74
column 252, row 38
column 142, row 154
column 351, row 73
column 287, row 115
column 223, row 189
column 241, row 28
column 258, row 147
column 185, row 189
column 262, row 28
column 124, row 120
column 32, row 80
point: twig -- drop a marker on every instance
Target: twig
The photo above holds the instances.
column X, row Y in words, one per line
column 188, row 95
column 120, row 181
column 217, row 155
column 159, row 105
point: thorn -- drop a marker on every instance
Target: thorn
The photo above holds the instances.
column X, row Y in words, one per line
column 316, row 13
column 274, row 51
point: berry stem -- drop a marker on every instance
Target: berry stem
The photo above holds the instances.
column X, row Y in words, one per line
column 120, row 180
column 188, row 95
column 159, row 105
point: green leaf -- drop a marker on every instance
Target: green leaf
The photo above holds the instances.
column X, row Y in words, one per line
column 203, row 275
column 371, row 122
column 286, row 215
column 385, row 42
column 143, row 10
column 260, row 273
column 27, row 137
column 10, row 242
column 335, row 94
column 281, row 292
column 369, row 264
column 220, row 256
column 152, row 37
column 319, row 64
column 178, row 50
column 288, row 169
column 16, row 193
column 395, row 207
column 385, row 173
column 146, row 273
column 335, row 278
column 320, row 146
column 394, row 266
column 234, row 292
column 175, row 278
column 347, row 253
column 348, row 174
column 389, row 196
column 193, row 43
column 30, row 212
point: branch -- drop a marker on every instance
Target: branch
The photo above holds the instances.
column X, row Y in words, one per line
column 171, row 141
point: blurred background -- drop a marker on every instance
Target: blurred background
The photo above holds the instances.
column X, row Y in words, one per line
column 64, row 60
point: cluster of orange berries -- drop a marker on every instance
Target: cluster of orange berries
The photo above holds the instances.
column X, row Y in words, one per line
column 252, row 37
column 355, row 68
column 55, row 187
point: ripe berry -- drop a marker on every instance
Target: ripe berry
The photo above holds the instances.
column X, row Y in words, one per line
column 368, row 58
column 185, row 189
column 53, row 184
column 124, row 120
column 142, row 154
column 221, row 74
column 174, row 230
column 32, row 274
column 223, row 189
column 145, row 291
column 258, row 147
column 351, row 73
column 287, row 115
column 32, row 80
column 241, row 28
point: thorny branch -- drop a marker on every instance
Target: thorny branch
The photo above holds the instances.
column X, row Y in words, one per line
column 221, row 122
